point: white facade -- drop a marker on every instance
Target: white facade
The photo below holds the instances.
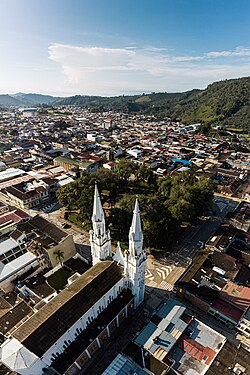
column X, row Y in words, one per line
column 134, row 260
column 244, row 323
column 99, row 237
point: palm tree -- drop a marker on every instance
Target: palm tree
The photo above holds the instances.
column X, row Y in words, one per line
column 59, row 255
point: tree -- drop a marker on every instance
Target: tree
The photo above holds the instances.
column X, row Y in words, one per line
column 164, row 186
column 59, row 255
column 143, row 174
column 124, row 169
column 68, row 194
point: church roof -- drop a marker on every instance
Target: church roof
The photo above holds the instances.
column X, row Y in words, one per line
column 45, row 327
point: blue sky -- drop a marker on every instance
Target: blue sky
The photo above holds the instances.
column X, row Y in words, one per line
column 111, row 47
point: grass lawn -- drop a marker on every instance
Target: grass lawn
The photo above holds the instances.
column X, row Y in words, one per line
column 73, row 217
column 59, row 279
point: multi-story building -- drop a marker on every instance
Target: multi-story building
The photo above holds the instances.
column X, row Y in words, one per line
column 15, row 259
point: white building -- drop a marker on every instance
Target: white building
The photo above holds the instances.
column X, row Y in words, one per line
column 244, row 323
column 15, row 260
column 80, row 320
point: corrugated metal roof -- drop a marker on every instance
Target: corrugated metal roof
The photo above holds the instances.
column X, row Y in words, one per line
column 122, row 365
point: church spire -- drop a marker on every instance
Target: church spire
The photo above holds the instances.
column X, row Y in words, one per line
column 99, row 237
column 98, row 215
column 135, row 233
column 135, row 261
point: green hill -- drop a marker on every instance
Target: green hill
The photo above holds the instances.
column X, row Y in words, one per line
column 7, row 100
column 34, row 99
column 224, row 103
column 23, row 100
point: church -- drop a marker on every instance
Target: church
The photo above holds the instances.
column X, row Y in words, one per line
column 67, row 333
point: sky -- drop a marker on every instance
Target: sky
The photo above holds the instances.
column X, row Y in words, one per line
column 115, row 47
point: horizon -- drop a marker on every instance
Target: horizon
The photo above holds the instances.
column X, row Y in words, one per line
column 109, row 96
column 112, row 48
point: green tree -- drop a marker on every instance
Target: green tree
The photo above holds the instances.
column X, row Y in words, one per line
column 143, row 174
column 124, row 169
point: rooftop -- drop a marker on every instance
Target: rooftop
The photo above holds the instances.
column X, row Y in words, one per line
column 152, row 364
column 54, row 319
column 14, row 316
column 123, row 365
column 237, row 295
column 47, row 231
column 228, row 358
column 73, row 162
column 6, row 270
column 196, row 349
column 10, row 173
column 85, row 338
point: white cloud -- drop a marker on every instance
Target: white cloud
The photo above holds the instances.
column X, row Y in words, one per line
column 111, row 71
column 239, row 51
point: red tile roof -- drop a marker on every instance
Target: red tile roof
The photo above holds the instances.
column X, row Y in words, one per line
column 227, row 309
column 198, row 351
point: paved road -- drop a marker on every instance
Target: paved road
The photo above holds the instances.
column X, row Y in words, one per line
column 198, row 235
column 162, row 275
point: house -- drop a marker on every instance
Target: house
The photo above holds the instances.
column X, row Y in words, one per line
column 173, row 336
column 211, row 285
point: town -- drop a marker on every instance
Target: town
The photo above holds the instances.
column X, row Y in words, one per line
column 72, row 300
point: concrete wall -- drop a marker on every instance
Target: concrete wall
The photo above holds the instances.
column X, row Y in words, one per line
column 68, row 248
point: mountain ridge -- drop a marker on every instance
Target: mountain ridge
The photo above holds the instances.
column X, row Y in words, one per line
column 20, row 99
column 223, row 103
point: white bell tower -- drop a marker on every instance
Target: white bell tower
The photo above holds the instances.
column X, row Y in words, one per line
column 135, row 259
column 100, row 240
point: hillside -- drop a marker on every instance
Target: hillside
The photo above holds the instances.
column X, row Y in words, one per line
column 7, row 100
column 25, row 100
column 34, row 99
column 221, row 103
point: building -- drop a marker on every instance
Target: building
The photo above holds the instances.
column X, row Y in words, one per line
column 27, row 194
column 174, row 335
column 46, row 240
column 217, row 284
column 66, row 334
column 15, row 259
column 69, row 164
column 28, row 112
column 9, row 218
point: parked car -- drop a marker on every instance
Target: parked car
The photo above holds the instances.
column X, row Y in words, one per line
column 65, row 225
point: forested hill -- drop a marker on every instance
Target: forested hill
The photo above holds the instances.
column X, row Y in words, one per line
column 221, row 103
